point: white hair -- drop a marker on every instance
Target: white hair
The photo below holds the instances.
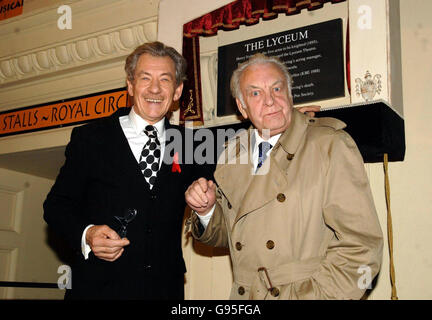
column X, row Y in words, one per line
column 257, row 58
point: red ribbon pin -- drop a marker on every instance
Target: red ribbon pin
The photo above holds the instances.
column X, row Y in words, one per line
column 175, row 166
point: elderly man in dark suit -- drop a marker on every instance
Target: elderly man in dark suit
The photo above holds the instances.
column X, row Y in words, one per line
column 119, row 198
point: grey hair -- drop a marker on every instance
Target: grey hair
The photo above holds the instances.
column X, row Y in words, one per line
column 156, row 49
column 257, row 58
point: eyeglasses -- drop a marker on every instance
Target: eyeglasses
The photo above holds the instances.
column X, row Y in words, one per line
column 128, row 216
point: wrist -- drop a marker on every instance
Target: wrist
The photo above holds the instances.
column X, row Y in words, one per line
column 87, row 233
column 204, row 213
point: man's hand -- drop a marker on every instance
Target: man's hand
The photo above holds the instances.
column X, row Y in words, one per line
column 105, row 242
column 201, row 195
column 309, row 110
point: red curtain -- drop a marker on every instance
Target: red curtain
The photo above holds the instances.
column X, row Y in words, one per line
column 229, row 17
column 247, row 12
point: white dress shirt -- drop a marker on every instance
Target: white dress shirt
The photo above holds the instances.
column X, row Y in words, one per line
column 255, row 152
column 133, row 128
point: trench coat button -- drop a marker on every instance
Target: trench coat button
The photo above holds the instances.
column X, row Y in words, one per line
column 241, row 291
column 281, row 197
column 270, row 244
column 311, row 120
column 290, row 156
column 274, row 292
column 229, row 205
column 238, row 246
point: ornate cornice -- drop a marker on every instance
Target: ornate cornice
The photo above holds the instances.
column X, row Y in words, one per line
column 42, row 62
column 78, row 52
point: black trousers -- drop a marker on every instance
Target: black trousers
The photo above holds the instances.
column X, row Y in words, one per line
column 124, row 287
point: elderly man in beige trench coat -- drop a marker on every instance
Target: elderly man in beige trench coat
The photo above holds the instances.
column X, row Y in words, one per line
column 303, row 225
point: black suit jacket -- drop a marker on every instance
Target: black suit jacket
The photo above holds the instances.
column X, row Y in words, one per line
column 101, row 179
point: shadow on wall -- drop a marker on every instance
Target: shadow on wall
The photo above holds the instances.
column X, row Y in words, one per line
column 372, row 286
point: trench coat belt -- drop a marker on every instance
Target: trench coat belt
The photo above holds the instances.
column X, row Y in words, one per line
column 280, row 275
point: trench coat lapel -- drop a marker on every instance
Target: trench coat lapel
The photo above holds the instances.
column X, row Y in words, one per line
column 233, row 173
column 261, row 189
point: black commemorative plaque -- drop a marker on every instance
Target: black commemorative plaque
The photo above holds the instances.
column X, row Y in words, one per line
column 313, row 55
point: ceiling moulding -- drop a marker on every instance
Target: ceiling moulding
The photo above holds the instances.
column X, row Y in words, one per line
column 41, row 29
column 82, row 51
column 42, row 63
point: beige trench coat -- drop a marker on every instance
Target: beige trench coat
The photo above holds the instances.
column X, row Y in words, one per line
column 308, row 228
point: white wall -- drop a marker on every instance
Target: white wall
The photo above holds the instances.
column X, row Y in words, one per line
column 26, row 246
column 410, row 180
